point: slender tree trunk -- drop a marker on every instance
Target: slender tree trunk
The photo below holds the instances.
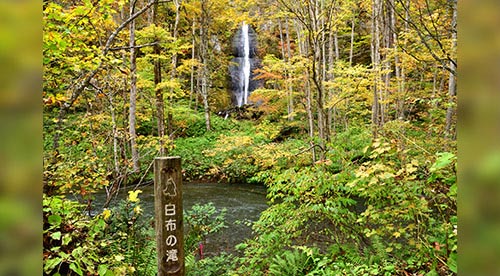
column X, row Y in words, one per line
column 332, row 48
column 160, row 106
column 399, row 69
column 385, row 62
column 204, row 93
column 375, row 53
column 452, row 81
column 133, row 93
column 308, row 94
column 204, row 62
column 290, row 84
column 285, row 73
column 351, row 49
column 316, row 73
column 173, row 69
column 193, row 53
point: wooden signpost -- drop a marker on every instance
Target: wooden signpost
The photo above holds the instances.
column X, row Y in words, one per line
column 168, row 215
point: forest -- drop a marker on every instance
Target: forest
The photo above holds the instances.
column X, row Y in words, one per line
column 352, row 131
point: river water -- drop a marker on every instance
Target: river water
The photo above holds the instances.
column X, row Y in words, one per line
column 244, row 202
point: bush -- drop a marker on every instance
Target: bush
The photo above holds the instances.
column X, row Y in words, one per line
column 220, row 265
column 115, row 242
column 202, row 220
column 71, row 240
column 372, row 208
column 130, row 237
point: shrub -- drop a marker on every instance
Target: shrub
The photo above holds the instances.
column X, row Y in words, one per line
column 372, row 209
column 220, row 265
column 71, row 240
column 115, row 242
column 200, row 221
column 129, row 236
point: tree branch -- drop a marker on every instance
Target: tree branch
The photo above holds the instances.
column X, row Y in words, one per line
column 420, row 34
column 79, row 87
column 135, row 47
column 123, row 25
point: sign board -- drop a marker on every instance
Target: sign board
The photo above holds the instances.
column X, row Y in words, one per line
column 168, row 215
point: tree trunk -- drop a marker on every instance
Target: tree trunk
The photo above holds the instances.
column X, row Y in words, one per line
column 452, row 82
column 332, row 48
column 204, row 62
column 290, row 84
column 160, row 106
column 351, row 49
column 399, row 69
column 133, row 93
column 173, row 69
column 378, row 90
column 285, row 56
column 316, row 73
column 193, row 52
column 308, row 95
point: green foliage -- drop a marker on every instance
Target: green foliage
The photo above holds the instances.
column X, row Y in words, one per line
column 115, row 242
column 80, row 166
column 300, row 261
column 201, row 221
column 381, row 210
column 222, row 264
column 71, row 240
column 237, row 151
column 380, row 201
column 407, row 207
column 129, row 237
column 352, row 84
column 72, row 40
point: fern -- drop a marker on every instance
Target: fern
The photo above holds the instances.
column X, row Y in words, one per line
column 290, row 263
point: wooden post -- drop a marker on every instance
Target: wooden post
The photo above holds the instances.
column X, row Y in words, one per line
column 168, row 215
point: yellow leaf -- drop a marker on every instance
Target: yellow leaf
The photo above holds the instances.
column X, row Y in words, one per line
column 410, row 168
column 132, row 195
column 137, row 209
column 373, row 181
column 396, row 234
column 371, row 233
column 386, row 175
column 106, row 214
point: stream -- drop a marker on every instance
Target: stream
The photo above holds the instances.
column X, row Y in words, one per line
column 244, row 202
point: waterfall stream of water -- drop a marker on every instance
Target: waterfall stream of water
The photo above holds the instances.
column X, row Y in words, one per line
column 244, row 62
column 246, row 65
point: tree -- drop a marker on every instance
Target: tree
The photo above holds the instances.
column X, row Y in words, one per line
column 316, row 17
column 429, row 37
column 92, row 70
column 203, row 56
column 133, row 92
column 86, row 75
column 452, row 83
column 160, row 105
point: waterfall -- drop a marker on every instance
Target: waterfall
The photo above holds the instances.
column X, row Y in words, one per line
column 244, row 48
column 246, row 64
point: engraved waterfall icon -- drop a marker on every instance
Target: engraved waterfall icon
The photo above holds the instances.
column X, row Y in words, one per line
column 170, row 188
